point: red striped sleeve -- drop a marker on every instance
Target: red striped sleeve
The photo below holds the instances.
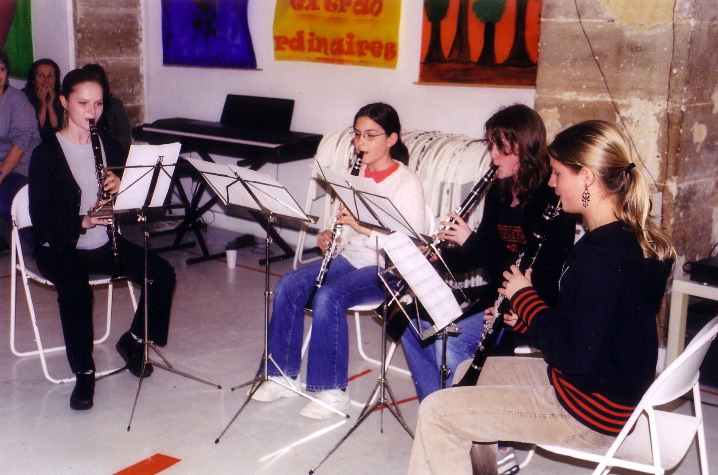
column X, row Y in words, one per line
column 592, row 409
column 527, row 304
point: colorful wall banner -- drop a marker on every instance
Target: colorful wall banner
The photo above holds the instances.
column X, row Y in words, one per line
column 16, row 36
column 480, row 42
column 210, row 34
column 357, row 32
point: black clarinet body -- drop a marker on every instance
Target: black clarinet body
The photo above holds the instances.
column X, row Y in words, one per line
column 397, row 325
column 329, row 254
column 492, row 326
column 104, row 196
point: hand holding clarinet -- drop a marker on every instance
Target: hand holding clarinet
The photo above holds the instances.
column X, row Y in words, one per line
column 515, row 281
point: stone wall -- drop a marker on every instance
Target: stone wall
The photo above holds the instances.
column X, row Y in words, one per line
column 659, row 62
column 109, row 33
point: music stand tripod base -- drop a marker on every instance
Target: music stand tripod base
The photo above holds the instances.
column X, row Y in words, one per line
column 156, row 168
column 378, row 398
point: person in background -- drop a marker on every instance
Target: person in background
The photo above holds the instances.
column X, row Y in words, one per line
column 114, row 121
column 71, row 244
column 18, row 138
column 599, row 341
column 351, row 280
column 43, row 92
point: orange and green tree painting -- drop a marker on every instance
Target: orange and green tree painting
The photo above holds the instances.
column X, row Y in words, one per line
column 482, row 42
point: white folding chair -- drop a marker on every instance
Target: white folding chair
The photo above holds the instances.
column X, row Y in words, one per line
column 653, row 440
column 20, row 214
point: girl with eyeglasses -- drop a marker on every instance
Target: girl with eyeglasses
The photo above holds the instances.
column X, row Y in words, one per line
column 351, row 280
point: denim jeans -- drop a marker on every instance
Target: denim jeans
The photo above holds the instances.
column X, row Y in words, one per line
column 424, row 357
column 513, row 401
column 328, row 358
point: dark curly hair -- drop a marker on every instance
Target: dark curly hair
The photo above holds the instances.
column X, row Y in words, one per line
column 519, row 128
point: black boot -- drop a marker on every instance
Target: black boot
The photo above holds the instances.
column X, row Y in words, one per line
column 131, row 351
column 82, row 395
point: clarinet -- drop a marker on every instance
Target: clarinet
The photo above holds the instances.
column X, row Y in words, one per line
column 102, row 195
column 397, row 326
column 492, row 326
column 331, row 250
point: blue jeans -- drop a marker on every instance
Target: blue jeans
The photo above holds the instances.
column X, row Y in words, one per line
column 328, row 362
column 424, row 357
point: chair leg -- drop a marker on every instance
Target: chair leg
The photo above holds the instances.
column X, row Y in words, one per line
column 389, row 355
column 528, row 458
column 305, row 344
column 698, row 410
column 41, row 351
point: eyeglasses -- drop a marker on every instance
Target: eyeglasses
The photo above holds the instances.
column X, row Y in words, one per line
column 367, row 136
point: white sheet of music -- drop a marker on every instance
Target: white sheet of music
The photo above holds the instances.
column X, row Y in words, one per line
column 435, row 295
column 137, row 175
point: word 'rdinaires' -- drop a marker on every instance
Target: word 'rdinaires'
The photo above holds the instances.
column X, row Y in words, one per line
column 336, row 47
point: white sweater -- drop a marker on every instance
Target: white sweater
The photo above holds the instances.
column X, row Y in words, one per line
column 404, row 189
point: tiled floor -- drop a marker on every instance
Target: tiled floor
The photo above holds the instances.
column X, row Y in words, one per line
column 217, row 335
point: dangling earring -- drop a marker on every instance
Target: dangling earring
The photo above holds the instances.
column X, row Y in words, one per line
column 585, row 197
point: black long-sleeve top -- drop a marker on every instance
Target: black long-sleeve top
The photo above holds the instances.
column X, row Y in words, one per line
column 54, row 193
column 496, row 244
column 600, row 339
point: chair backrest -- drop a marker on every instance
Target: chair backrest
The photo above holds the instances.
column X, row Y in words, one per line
column 20, row 209
column 680, row 376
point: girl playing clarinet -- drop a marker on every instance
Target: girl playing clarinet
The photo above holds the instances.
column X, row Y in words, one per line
column 351, row 280
column 599, row 341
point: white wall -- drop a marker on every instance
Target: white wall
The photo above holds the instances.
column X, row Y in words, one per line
column 327, row 96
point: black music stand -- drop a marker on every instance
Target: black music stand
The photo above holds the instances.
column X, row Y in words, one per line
column 142, row 180
column 265, row 196
column 371, row 208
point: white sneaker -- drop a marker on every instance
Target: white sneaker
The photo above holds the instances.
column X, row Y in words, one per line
column 336, row 398
column 270, row 391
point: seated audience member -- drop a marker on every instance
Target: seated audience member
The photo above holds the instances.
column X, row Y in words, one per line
column 599, row 341
column 351, row 280
column 43, row 92
column 18, row 138
column 71, row 244
column 114, row 121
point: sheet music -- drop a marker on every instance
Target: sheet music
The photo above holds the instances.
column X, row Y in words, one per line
column 250, row 189
column 434, row 294
column 367, row 202
column 137, row 175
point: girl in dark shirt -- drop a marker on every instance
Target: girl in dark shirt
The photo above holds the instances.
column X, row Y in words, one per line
column 599, row 340
column 513, row 206
column 71, row 244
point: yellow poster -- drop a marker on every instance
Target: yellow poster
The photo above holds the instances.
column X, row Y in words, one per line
column 358, row 32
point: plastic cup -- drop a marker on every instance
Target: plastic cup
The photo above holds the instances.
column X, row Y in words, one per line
column 231, row 258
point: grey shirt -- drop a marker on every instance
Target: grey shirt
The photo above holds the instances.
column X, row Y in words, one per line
column 18, row 126
column 81, row 160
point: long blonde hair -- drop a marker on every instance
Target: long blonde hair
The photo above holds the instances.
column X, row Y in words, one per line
column 600, row 147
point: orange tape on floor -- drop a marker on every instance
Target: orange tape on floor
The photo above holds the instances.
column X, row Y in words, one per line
column 150, row 465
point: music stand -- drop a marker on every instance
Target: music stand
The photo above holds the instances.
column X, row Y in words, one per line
column 145, row 183
column 371, row 208
column 262, row 194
